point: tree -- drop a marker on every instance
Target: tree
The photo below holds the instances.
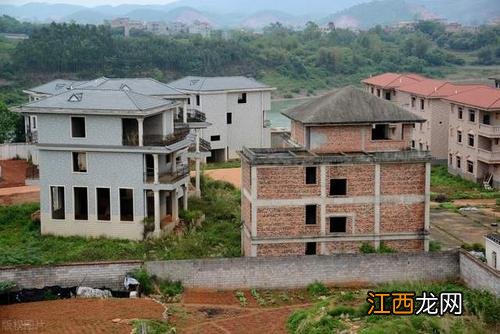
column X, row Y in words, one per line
column 11, row 125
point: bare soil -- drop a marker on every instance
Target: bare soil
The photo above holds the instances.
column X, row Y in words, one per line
column 13, row 173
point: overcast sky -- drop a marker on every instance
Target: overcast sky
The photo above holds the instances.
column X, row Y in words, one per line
column 89, row 3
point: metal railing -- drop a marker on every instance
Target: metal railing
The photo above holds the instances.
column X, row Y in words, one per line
column 169, row 177
column 193, row 116
column 159, row 140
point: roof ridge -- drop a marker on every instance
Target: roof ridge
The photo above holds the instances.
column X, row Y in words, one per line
column 131, row 99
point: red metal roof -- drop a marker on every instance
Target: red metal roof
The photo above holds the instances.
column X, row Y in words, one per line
column 436, row 88
column 482, row 97
column 393, row 80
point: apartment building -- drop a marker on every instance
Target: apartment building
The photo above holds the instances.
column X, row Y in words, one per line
column 236, row 107
column 110, row 160
column 474, row 135
column 349, row 177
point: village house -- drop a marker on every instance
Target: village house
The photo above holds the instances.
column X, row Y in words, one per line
column 110, row 161
column 236, row 107
column 348, row 179
column 492, row 250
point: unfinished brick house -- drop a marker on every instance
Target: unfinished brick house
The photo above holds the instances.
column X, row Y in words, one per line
column 348, row 178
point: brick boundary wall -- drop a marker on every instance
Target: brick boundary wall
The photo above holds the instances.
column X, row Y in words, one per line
column 92, row 274
column 477, row 275
column 290, row 272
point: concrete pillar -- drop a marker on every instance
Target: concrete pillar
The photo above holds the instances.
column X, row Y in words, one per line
column 175, row 206
column 156, row 169
column 140, row 122
column 185, row 197
column 197, row 162
column 184, row 112
column 376, row 229
column 427, row 208
column 157, row 212
column 174, row 162
column 322, row 215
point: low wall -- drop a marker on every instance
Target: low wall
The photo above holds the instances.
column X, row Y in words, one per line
column 289, row 272
column 93, row 274
column 19, row 150
column 477, row 275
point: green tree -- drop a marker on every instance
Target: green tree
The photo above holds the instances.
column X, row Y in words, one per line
column 11, row 125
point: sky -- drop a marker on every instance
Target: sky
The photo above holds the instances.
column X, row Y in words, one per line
column 89, row 3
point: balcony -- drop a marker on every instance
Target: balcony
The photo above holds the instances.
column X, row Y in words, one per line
column 488, row 156
column 159, row 140
column 193, row 116
column 180, row 172
column 489, row 130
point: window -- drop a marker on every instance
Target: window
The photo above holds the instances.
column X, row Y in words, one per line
column 103, row 199
column 470, row 166
column 311, row 175
column 229, row 118
column 57, row 202
column 459, row 136
column 311, row 214
column 460, row 113
column 215, row 138
column 412, row 144
column 78, row 127
column 310, row 248
column 472, row 116
column 413, row 101
column 380, row 132
column 471, row 140
column 450, row 159
column 189, row 101
column 378, row 92
column 79, row 162
column 126, row 205
column 197, row 100
column 242, row 98
column 81, row 204
column 33, row 122
column 486, row 119
column 338, row 224
column 388, row 96
column 422, row 104
column 459, row 162
column 372, row 90
column 338, row 187
column 168, row 158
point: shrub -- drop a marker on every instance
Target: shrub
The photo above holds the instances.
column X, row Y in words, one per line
column 144, row 279
column 434, row 246
column 6, row 286
column 317, row 289
column 385, row 249
column 339, row 310
column 441, row 198
column 170, row 288
column 477, row 247
column 367, row 248
column 483, row 304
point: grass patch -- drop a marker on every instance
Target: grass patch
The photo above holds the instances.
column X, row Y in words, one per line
column 219, row 235
column 152, row 327
column 454, row 187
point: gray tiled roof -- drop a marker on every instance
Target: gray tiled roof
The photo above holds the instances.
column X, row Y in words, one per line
column 146, row 86
column 349, row 105
column 99, row 99
column 495, row 237
column 201, row 84
column 56, row 86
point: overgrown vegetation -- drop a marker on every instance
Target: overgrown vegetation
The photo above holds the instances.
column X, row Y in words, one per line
column 219, row 235
column 454, row 187
column 367, row 248
column 338, row 313
column 152, row 327
column 6, row 286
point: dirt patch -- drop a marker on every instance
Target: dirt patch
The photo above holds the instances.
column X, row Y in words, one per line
column 78, row 315
column 13, row 173
column 215, row 297
column 19, row 195
column 474, row 202
column 231, row 175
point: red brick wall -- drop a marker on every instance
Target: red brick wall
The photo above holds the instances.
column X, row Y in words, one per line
column 405, row 245
column 283, row 249
column 364, row 217
column 297, row 133
column 401, row 217
column 385, row 145
column 331, row 139
column 285, row 221
column 285, row 182
column 402, row 179
column 343, row 247
column 360, row 178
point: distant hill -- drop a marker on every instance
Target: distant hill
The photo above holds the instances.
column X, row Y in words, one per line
column 262, row 19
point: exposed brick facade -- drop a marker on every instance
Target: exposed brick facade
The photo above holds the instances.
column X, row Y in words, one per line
column 405, row 245
column 402, row 217
column 284, row 220
column 360, row 178
column 298, row 132
column 402, row 179
column 281, row 249
column 284, row 182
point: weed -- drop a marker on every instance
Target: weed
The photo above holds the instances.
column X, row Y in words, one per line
column 367, row 248
column 434, row 246
column 241, row 298
column 152, row 327
column 170, row 288
column 317, row 289
column 145, row 280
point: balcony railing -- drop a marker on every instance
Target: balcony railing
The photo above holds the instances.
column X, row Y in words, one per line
column 159, row 140
column 489, row 156
column 180, row 172
column 193, row 116
column 489, row 130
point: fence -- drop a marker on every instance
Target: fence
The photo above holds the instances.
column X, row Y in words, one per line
column 19, row 150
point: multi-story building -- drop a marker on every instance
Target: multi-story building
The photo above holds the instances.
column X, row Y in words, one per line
column 108, row 160
column 236, row 107
column 474, row 135
column 350, row 178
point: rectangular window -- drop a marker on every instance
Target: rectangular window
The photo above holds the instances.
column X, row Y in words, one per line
column 388, row 96
column 372, row 90
column 459, row 136
column 378, row 92
column 126, row 205
column 471, row 140
column 229, row 118
column 470, row 166
column 81, row 204
column 214, row 138
column 338, row 187
column 33, row 122
column 310, row 248
column 486, row 119
column 472, row 116
column 413, row 101
column 459, row 162
column 460, row 113
column 311, row 175
column 338, row 224
column 79, row 162
column 422, row 104
column 242, row 98
column 167, row 158
column 189, row 101
column 413, row 144
column 57, row 202
column 197, row 100
column 78, row 127
column 311, row 214
column 380, row 132
column 103, row 204
column 450, row 162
